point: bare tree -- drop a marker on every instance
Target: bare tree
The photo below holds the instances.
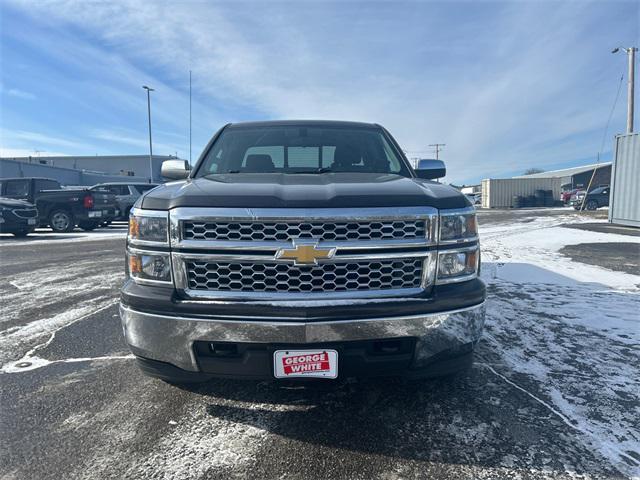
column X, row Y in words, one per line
column 531, row 171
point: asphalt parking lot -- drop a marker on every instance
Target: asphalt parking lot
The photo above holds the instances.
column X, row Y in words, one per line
column 553, row 392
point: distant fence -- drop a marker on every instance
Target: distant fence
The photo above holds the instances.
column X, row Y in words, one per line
column 624, row 202
column 66, row 176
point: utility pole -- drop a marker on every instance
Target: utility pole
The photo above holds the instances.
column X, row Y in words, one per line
column 149, row 90
column 189, row 117
column 631, row 55
column 438, row 148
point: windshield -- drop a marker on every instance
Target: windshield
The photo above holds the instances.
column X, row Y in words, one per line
column 300, row 149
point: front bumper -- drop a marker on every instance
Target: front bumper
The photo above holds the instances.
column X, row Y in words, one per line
column 170, row 339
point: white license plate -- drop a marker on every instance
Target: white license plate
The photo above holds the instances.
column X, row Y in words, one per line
column 95, row 214
column 31, row 221
column 305, row 363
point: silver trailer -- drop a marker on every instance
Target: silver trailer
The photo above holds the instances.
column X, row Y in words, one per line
column 499, row 192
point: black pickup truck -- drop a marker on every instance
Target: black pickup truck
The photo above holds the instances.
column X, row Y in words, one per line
column 302, row 249
column 61, row 209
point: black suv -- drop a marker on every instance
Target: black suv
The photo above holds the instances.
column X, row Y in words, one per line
column 596, row 198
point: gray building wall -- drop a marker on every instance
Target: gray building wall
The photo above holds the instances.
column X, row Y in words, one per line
column 624, row 201
column 66, row 176
column 107, row 164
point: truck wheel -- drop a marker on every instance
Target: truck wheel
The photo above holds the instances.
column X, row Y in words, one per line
column 592, row 205
column 61, row 221
column 87, row 227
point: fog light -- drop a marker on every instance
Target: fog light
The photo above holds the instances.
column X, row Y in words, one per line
column 452, row 264
column 145, row 266
column 457, row 265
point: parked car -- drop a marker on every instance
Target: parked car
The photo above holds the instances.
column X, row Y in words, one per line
column 565, row 196
column 596, row 198
column 126, row 194
column 302, row 249
column 61, row 209
column 17, row 217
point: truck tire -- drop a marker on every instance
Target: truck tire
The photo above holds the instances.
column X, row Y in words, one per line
column 88, row 226
column 592, row 205
column 61, row 221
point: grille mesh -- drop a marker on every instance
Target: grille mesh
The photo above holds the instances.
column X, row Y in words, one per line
column 288, row 278
column 26, row 212
column 283, row 231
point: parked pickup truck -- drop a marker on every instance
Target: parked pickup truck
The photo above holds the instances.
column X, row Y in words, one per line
column 61, row 209
column 302, row 249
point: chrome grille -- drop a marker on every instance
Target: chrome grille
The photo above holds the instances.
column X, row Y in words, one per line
column 262, row 231
column 26, row 212
column 274, row 277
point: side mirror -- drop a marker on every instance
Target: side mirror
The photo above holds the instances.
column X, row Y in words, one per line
column 430, row 169
column 175, row 169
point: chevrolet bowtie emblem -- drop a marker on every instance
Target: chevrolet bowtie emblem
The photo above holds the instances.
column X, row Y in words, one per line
column 305, row 253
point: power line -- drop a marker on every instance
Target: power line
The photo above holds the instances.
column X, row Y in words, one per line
column 437, row 147
column 604, row 138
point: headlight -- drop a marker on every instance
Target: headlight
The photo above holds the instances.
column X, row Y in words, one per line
column 151, row 267
column 458, row 226
column 148, row 226
column 457, row 265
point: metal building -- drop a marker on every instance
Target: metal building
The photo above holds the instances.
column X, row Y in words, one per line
column 624, row 202
column 66, row 176
column 124, row 165
column 578, row 177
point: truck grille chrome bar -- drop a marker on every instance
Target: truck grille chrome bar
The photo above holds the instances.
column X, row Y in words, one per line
column 236, row 253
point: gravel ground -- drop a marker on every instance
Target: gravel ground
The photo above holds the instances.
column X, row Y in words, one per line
column 74, row 405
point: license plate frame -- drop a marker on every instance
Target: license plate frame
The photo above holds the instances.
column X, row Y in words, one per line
column 305, row 363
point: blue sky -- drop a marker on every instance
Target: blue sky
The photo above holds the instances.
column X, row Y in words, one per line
column 506, row 85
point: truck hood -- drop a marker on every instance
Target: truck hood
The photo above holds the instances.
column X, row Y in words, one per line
column 276, row 190
column 14, row 203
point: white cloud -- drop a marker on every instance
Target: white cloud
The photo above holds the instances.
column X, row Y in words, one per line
column 23, row 152
column 14, row 92
column 40, row 141
column 127, row 138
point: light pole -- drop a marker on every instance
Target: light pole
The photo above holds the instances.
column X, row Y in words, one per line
column 149, row 90
column 631, row 54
